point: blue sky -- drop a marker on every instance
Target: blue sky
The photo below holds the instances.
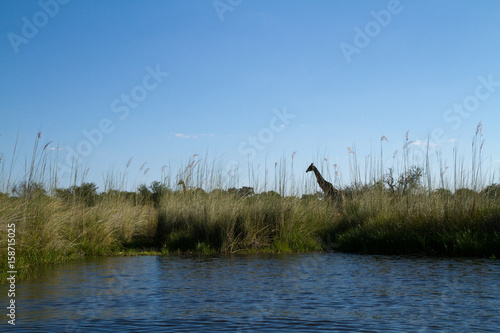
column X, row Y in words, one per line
column 233, row 81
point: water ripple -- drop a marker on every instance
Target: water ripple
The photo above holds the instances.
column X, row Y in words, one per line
column 304, row 292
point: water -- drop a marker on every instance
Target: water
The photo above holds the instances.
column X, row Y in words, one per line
column 301, row 292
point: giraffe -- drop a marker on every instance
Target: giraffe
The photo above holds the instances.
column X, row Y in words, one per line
column 327, row 187
column 181, row 182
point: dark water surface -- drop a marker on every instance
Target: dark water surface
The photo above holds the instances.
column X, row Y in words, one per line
column 298, row 292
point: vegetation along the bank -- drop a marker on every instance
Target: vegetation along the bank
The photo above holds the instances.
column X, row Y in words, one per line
column 392, row 215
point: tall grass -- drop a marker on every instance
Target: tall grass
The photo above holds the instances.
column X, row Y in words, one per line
column 50, row 230
column 373, row 220
column 398, row 211
column 227, row 222
column 438, row 223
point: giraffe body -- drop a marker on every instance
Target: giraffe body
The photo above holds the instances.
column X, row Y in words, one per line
column 327, row 187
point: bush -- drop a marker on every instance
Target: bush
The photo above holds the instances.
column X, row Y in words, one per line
column 85, row 193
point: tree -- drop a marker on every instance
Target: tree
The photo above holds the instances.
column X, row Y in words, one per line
column 157, row 191
column 408, row 181
column 143, row 193
column 86, row 193
column 26, row 189
column 492, row 191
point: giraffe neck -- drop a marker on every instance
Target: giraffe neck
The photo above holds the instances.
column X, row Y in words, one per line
column 181, row 182
column 319, row 178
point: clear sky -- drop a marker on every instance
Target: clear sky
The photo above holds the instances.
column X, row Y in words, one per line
column 237, row 81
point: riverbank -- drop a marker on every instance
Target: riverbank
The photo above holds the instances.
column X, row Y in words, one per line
column 372, row 220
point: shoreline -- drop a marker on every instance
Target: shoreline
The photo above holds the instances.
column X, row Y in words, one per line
column 54, row 230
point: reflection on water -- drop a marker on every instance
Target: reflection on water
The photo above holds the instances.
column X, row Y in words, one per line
column 303, row 292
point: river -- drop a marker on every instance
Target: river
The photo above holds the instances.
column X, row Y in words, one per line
column 263, row 293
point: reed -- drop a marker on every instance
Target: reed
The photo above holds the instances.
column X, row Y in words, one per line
column 50, row 230
column 396, row 212
column 438, row 223
column 231, row 222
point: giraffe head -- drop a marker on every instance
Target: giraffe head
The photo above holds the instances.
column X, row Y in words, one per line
column 310, row 168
